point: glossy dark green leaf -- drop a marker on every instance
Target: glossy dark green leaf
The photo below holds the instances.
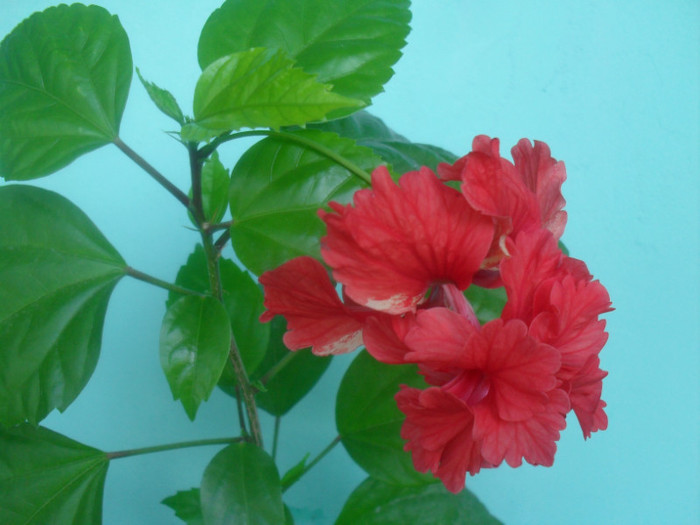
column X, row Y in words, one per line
column 278, row 186
column 377, row 503
column 57, row 272
column 47, row 478
column 64, row 80
column 292, row 382
column 370, row 422
column 215, row 183
column 241, row 485
column 487, row 303
column 186, row 505
column 351, row 44
column 243, row 300
column 195, row 340
column 163, row 99
column 261, row 88
column 396, row 150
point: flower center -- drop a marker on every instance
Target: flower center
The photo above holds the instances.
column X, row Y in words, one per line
column 471, row 386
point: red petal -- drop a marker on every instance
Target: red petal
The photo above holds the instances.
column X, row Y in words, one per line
column 543, row 175
column 397, row 241
column 301, row 291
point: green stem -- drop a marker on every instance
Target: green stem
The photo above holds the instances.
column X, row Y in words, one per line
column 158, row 176
column 314, row 461
column 131, row 272
column 172, row 446
column 212, row 254
column 276, row 436
column 320, row 148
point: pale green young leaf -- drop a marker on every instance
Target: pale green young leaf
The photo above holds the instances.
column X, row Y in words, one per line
column 57, row 272
column 351, row 44
column 163, row 99
column 215, row 183
column 261, row 88
column 48, row 478
column 195, row 339
column 375, row 502
column 64, row 80
column 277, row 188
column 241, row 485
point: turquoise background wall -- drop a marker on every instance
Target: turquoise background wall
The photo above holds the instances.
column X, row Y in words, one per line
column 612, row 87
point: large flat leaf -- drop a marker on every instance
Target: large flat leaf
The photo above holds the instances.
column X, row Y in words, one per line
column 400, row 153
column 241, row 485
column 278, row 186
column 243, row 300
column 488, row 303
column 369, row 421
column 195, row 340
column 57, row 272
column 377, row 503
column 351, row 44
column 260, row 88
column 47, row 478
column 291, row 383
column 64, row 80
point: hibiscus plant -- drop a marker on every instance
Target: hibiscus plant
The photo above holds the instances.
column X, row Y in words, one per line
column 476, row 335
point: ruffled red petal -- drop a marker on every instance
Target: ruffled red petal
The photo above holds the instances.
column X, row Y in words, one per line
column 301, row 291
column 398, row 240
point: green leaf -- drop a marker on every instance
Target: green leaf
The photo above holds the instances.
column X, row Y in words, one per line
column 298, row 376
column 278, row 186
column 294, row 473
column 57, row 272
column 243, row 300
column 377, row 503
column 64, row 80
column 241, row 485
column 487, row 303
column 351, row 44
column 195, row 340
column 48, row 478
column 187, row 506
column 261, row 88
column 215, row 183
column 163, row 99
column 400, row 153
column 370, row 422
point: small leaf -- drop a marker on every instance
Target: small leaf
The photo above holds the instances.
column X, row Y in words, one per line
column 241, row 485
column 370, row 422
column 57, row 272
column 243, row 300
column 294, row 473
column 377, row 503
column 487, row 303
column 163, row 99
column 288, row 386
column 261, row 88
column 194, row 345
column 48, row 478
column 277, row 188
column 400, row 153
column 187, row 506
column 351, row 44
column 215, row 183
column 64, row 80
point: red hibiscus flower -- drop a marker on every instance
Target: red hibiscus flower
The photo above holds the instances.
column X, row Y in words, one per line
column 399, row 240
column 498, row 394
column 520, row 196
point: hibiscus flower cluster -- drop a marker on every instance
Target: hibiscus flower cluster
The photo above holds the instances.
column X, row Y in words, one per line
column 404, row 254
